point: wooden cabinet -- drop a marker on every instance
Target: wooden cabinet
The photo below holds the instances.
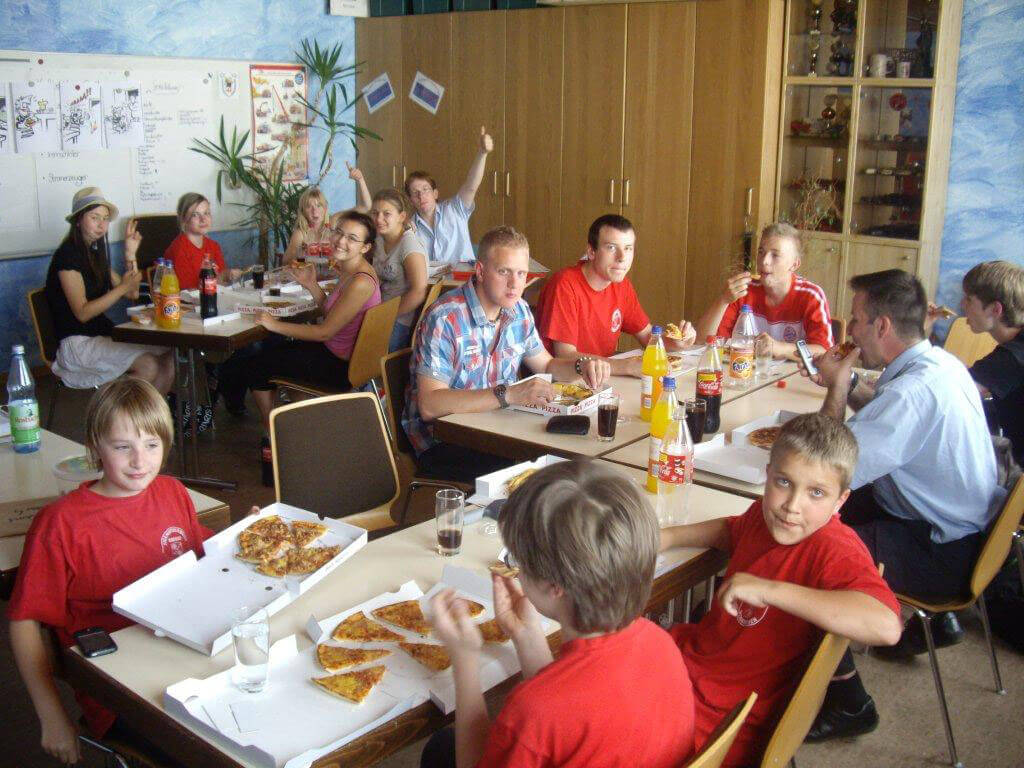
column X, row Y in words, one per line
column 426, row 137
column 379, row 48
column 822, row 264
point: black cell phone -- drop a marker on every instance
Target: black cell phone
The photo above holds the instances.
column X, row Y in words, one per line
column 805, row 356
column 94, row 641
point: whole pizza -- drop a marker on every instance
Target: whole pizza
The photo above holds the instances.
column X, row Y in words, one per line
column 764, row 437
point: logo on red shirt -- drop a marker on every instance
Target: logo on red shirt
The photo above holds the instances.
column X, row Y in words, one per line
column 174, row 541
column 616, row 320
column 747, row 615
column 789, row 334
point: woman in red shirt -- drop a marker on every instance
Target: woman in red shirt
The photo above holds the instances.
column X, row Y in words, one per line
column 188, row 250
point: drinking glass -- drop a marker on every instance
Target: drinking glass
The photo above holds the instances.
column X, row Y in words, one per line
column 696, row 415
column 250, row 636
column 762, row 358
column 257, row 277
column 607, row 415
column 449, row 515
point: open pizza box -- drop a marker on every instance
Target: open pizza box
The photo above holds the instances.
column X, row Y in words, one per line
column 737, row 460
column 741, row 435
column 278, row 306
column 559, row 408
column 491, row 487
column 191, row 599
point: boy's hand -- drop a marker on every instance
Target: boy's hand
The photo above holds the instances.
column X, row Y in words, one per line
column 60, row 738
column 486, row 142
column 596, row 373
column 743, row 588
column 354, row 173
column 253, row 511
column 736, row 287
column 512, row 609
column 454, row 626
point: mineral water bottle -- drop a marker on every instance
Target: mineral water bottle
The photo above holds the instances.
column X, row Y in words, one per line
column 22, row 404
column 675, row 471
column 653, row 367
column 741, row 362
column 661, row 416
column 168, row 310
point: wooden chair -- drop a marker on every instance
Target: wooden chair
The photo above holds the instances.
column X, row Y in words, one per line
column 46, row 337
column 803, row 707
column 332, row 456
column 158, row 231
column 720, row 741
column 838, row 325
column 1001, row 535
column 432, row 295
column 965, row 344
column 394, row 369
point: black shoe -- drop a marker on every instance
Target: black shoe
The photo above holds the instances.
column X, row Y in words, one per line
column 946, row 630
column 833, row 723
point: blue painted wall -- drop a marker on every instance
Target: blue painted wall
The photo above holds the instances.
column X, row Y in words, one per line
column 248, row 30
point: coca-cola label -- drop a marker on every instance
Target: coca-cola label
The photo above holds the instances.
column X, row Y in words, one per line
column 709, row 383
column 673, row 468
column 210, row 285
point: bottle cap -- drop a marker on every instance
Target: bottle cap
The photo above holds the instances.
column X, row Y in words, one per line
column 709, row 339
column 668, row 382
column 656, row 330
column 746, row 308
column 18, row 349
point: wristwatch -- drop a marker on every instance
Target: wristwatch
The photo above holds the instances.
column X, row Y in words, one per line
column 580, row 362
column 854, row 380
column 499, row 392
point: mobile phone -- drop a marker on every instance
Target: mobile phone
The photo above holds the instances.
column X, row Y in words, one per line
column 805, row 356
column 94, row 641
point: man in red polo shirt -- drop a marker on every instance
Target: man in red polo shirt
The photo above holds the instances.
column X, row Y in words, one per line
column 586, row 307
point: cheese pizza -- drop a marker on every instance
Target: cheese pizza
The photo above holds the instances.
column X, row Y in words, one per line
column 354, row 686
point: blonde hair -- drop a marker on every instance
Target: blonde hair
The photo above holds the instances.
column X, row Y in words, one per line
column 303, row 224
column 998, row 281
column 586, row 528
column 820, row 438
column 786, row 231
column 500, row 237
column 398, row 199
column 135, row 399
column 186, row 203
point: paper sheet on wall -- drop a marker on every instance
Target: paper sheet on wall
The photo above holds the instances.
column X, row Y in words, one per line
column 81, row 115
column 18, row 210
column 6, row 139
column 378, row 92
column 228, row 82
column 277, row 114
column 122, row 115
column 426, row 92
column 36, row 106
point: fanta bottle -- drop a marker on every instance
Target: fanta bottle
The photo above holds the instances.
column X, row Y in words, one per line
column 652, row 369
column 741, row 362
column 168, row 308
column 661, row 415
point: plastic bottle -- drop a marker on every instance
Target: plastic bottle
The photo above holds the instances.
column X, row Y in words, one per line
column 709, row 384
column 741, row 361
column 661, row 415
column 168, row 310
column 22, row 404
column 675, row 472
column 158, row 274
column 207, row 289
column 652, row 369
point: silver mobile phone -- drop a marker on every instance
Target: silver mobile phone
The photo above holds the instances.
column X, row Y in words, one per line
column 805, row 356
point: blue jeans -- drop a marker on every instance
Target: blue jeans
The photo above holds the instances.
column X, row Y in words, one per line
column 400, row 337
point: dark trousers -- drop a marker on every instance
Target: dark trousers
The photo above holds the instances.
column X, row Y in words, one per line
column 445, row 461
column 440, row 750
column 308, row 361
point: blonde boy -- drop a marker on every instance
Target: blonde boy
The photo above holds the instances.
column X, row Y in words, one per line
column 794, row 570
column 618, row 694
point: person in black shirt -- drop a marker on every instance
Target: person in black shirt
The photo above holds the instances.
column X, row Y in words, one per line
column 81, row 287
column 993, row 303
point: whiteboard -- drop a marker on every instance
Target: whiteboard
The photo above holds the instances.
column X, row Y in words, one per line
column 182, row 99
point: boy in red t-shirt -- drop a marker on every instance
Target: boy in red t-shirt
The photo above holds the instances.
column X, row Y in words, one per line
column 99, row 538
column 188, row 250
column 794, row 570
column 618, row 694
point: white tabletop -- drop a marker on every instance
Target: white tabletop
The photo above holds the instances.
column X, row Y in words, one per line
column 146, row 665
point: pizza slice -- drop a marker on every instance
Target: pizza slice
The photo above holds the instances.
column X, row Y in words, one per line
column 309, row 559
column 305, row 533
column 354, row 686
column 433, row 657
column 271, row 527
column 508, row 571
column 764, row 437
column 358, row 628
column 335, row 659
column 672, row 331
column 406, row 614
column 492, row 632
column 276, row 568
column 253, row 548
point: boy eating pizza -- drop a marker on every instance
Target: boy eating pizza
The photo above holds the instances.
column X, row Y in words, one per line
column 586, row 542
column 794, row 570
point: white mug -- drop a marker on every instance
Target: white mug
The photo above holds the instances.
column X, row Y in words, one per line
column 880, row 66
column 903, row 69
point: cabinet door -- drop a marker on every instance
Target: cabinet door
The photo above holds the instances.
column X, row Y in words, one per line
column 656, row 150
column 533, row 129
column 593, row 81
column 379, row 48
column 863, row 258
column 426, row 137
column 822, row 264
column 478, row 99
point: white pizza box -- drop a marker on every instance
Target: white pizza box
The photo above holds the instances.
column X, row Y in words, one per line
column 189, row 315
column 491, row 487
column 559, row 409
column 191, row 599
column 737, row 460
column 293, row 306
column 292, row 722
column 741, row 435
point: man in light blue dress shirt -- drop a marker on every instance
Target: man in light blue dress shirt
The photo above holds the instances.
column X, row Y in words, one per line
column 925, row 486
column 443, row 226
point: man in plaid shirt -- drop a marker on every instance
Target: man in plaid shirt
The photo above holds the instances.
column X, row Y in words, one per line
column 468, row 353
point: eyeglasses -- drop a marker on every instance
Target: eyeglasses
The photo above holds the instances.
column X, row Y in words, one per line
column 346, row 236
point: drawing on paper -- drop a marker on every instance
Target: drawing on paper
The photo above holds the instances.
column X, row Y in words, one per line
column 36, row 116
column 81, row 116
column 122, row 114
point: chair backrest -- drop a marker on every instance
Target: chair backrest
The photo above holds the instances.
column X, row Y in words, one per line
column 395, row 370
column 42, row 321
column 372, row 342
column 332, row 456
column 158, row 231
column 838, row 329
column 999, row 540
column 803, row 707
column 967, row 345
column 428, row 302
column 720, row 741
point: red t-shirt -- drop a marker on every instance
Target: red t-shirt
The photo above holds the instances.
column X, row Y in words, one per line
column 188, row 259
column 803, row 314
column 572, row 312
column 614, row 700
column 84, row 547
column 765, row 649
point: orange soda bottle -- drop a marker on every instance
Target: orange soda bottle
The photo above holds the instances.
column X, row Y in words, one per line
column 168, row 307
column 652, row 369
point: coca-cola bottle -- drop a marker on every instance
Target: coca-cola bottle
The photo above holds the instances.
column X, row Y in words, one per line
column 207, row 289
column 709, row 385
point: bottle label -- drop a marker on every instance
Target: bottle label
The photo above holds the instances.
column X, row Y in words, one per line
column 646, row 391
column 673, row 468
column 25, row 423
column 170, row 307
column 210, row 285
column 653, row 456
column 709, row 383
column 742, row 364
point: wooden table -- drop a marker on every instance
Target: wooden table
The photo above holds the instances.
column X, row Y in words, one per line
column 519, row 435
column 132, row 680
column 800, row 395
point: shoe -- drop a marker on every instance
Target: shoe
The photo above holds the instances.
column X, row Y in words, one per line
column 946, row 630
column 833, row 723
